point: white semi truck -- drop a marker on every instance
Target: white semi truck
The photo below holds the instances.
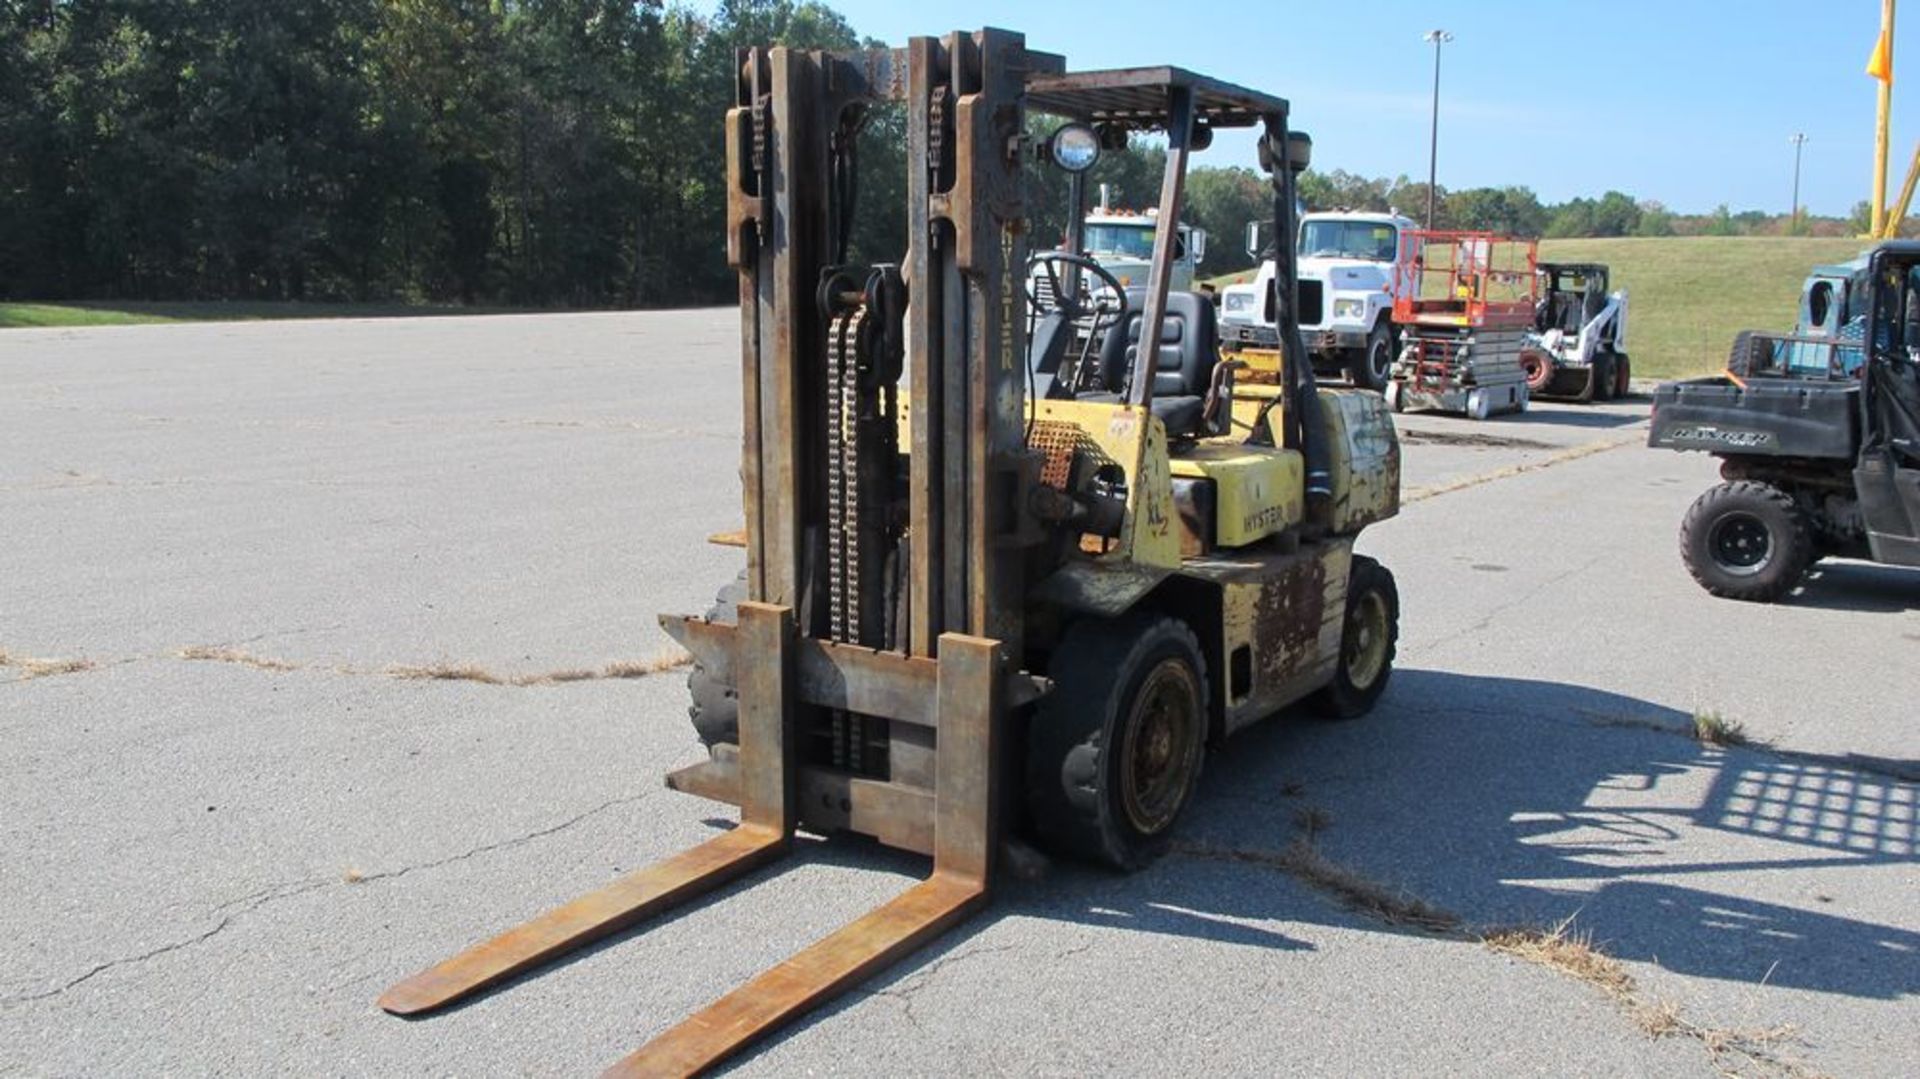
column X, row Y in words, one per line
column 1122, row 243
column 1346, row 295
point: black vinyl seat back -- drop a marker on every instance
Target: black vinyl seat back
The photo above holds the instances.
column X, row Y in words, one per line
column 1189, row 349
column 1189, row 346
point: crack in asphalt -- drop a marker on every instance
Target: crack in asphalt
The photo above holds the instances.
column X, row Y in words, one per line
column 252, row 902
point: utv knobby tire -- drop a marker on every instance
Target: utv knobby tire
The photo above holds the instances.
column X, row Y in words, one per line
column 715, row 706
column 1746, row 540
column 1369, row 637
column 1079, row 741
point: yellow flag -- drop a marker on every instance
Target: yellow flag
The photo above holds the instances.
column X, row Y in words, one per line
column 1880, row 64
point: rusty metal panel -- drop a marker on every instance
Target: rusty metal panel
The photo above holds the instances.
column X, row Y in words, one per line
column 1289, row 610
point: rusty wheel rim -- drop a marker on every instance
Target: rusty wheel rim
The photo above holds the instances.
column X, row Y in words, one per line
column 1366, row 644
column 1161, row 749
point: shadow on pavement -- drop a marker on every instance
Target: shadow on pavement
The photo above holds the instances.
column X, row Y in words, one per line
column 1858, row 586
column 1509, row 800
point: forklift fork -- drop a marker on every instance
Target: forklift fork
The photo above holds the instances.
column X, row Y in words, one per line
column 969, row 700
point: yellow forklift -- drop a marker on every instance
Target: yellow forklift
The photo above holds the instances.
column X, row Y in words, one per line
column 1003, row 575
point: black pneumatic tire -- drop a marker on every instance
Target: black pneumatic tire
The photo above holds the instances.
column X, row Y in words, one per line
column 1622, row 376
column 1368, row 640
column 1107, row 676
column 1372, row 367
column 1746, row 540
column 715, row 706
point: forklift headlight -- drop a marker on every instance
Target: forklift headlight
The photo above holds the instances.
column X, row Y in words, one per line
column 1075, row 147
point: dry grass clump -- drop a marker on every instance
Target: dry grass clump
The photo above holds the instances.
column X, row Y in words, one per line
column 1561, row 948
column 33, row 667
column 468, row 672
column 1733, row 1051
column 214, row 654
column 446, row 672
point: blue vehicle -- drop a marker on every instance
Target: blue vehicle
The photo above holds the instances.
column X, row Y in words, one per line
column 1827, row 338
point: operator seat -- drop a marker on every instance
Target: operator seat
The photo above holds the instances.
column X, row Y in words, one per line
column 1183, row 364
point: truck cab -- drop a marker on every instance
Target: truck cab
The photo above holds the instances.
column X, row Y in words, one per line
column 1345, row 261
column 1121, row 241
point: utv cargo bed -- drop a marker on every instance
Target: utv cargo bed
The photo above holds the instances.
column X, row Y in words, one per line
column 1764, row 417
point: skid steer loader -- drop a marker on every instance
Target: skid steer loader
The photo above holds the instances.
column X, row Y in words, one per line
column 996, row 579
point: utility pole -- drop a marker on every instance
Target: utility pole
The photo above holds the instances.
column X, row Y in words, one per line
column 1799, row 139
column 1439, row 38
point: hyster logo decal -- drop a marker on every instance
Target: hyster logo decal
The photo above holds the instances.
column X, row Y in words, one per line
column 1718, row 436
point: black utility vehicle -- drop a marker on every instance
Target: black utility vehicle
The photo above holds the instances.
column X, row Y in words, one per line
column 1820, row 460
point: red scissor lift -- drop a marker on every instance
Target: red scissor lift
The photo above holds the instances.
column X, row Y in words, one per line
column 1464, row 302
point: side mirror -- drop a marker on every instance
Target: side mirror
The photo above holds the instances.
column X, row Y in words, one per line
column 1253, row 239
column 1198, row 240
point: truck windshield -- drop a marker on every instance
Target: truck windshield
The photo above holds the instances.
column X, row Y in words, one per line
column 1368, row 240
column 1127, row 241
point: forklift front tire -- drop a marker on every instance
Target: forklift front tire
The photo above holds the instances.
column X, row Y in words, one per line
column 1114, row 751
column 1367, row 643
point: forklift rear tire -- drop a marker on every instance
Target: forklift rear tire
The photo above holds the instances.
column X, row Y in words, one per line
column 1746, row 540
column 1367, row 643
column 715, row 706
column 1115, row 750
column 1372, row 365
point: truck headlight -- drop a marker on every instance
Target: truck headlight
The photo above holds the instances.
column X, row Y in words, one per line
column 1349, row 310
column 1239, row 302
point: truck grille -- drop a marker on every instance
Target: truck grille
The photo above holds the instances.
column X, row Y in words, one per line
column 1312, row 303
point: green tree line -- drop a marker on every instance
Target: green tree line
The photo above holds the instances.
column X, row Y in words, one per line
column 528, row 152
column 521, row 151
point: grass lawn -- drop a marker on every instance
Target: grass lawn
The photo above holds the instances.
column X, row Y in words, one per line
column 1688, row 295
column 123, row 313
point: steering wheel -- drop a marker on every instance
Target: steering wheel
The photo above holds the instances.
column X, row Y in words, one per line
column 1107, row 307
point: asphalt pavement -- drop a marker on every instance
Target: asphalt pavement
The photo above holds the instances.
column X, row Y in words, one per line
column 232, row 814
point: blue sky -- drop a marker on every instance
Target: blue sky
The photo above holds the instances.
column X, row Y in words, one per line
column 1689, row 102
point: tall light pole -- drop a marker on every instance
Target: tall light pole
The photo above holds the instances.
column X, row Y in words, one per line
column 1439, row 38
column 1799, row 139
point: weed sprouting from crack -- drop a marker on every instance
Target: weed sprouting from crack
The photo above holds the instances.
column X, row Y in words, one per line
column 1714, row 729
column 34, row 667
column 1708, row 727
